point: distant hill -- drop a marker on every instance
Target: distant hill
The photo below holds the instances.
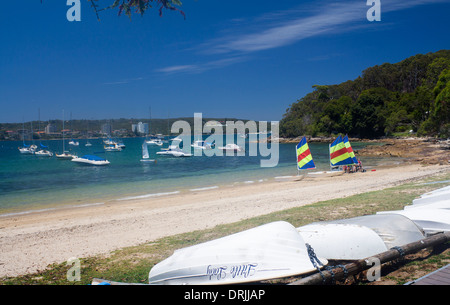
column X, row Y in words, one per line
column 413, row 94
column 82, row 128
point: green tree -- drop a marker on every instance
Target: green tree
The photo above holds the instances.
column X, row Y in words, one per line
column 441, row 111
column 367, row 115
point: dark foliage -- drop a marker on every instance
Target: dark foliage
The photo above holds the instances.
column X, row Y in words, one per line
column 412, row 95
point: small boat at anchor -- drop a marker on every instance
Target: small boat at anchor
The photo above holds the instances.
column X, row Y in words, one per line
column 174, row 150
column 200, row 144
column 90, row 160
column 145, row 155
column 231, row 147
column 43, row 152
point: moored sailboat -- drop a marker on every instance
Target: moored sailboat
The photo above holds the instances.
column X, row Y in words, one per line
column 44, row 152
column 145, row 155
column 65, row 155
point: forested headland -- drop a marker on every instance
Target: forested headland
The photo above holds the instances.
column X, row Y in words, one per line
column 409, row 96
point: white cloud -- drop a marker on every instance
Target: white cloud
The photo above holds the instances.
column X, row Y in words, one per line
column 283, row 28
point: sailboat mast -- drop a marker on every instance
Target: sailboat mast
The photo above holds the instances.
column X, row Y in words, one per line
column 329, row 155
column 64, row 145
column 150, row 119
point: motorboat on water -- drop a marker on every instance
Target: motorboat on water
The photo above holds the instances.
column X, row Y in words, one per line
column 28, row 149
column 112, row 147
column 91, row 160
column 43, row 152
column 200, row 144
column 113, row 143
column 231, row 147
column 74, row 143
column 174, row 150
column 154, row 141
column 120, row 144
column 65, row 156
column 274, row 250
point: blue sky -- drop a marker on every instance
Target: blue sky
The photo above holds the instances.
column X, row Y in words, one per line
column 244, row 59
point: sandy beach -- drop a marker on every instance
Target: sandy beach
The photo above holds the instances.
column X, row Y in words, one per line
column 30, row 242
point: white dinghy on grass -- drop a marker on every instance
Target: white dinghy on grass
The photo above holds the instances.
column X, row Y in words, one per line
column 360, row 237
column 395, row 230
column 342, row 241
column 431, row 221
column 443, row 204
column 442, row 190
column 440, row 196
column 270, row 251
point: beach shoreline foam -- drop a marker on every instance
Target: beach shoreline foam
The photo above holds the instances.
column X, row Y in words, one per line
column 32, row 241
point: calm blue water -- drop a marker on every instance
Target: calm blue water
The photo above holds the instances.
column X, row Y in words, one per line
column 28, row 182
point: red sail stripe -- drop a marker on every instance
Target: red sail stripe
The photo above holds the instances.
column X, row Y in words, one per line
column 303, row 155
column 339, row 152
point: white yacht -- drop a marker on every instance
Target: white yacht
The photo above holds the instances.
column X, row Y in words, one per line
column 154, row 141
column 200, row 144
column 174, row 150
column 28, row 149
column 65, row 156
column 90, row 160
column 112, row 147
column 232, row 147
column 43, row 152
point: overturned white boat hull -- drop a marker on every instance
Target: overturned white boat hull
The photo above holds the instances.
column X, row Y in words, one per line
column 445, row 189
column 342, row 241
column 360, row 237
column 394, row 230
column 443, row 204
column 440, row 196
column 431, row 221
column 270, row 251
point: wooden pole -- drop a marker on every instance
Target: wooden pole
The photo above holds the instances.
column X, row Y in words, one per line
column 353, row 268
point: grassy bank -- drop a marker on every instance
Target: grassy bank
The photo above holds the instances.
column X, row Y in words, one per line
column 132, row 264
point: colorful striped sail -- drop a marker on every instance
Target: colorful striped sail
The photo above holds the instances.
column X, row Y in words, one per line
column 304, row 157
column 350, row 150
column 339, row 154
